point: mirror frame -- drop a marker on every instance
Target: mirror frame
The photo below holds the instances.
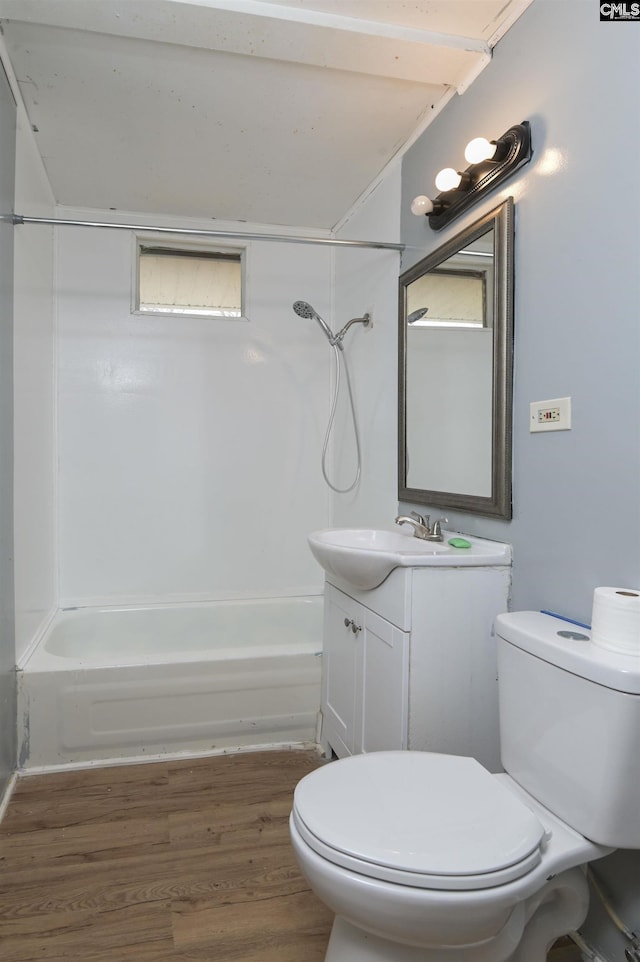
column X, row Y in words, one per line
column 498, row 505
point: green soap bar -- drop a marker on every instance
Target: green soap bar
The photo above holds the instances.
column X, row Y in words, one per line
column 459, row 543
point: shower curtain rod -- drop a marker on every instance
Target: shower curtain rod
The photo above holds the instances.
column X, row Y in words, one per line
column 193, row 232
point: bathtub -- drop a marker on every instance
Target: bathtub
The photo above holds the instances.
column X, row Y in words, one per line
column 114, row 684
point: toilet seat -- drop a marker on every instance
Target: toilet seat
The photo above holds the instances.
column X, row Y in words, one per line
column 420, row 819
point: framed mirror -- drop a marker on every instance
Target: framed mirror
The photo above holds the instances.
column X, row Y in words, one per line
column 456, row 371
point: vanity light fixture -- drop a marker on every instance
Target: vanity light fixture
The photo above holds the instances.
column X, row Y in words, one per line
column 480, row 149
column 450, row 179
column 490, row 163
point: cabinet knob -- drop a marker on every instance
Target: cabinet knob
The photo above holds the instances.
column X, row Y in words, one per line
column 350, row 623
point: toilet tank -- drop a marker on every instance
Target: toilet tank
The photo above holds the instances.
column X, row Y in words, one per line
column 570, row 724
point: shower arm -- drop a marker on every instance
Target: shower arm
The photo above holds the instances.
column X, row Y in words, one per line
column 365, row 319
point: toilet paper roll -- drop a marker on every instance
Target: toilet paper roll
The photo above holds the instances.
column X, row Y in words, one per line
column 615, row 619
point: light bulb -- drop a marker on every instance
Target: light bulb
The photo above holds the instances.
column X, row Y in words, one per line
column 479, row 149
column 421, row 205
column 448, row 179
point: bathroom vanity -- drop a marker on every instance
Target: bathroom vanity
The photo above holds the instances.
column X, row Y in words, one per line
column 411, row 663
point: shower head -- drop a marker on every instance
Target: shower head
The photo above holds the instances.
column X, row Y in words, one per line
column 416, row 315
column 303, row 309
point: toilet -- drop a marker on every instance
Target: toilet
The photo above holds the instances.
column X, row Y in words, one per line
column 426, row 857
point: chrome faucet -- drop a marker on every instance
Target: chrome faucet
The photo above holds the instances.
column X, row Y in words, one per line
column 421, row 528
column 419, row 523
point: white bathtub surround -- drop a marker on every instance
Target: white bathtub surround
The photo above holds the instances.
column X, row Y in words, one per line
column 122, row 684
column 367, row 281
column 189, row 448
column 34, row 360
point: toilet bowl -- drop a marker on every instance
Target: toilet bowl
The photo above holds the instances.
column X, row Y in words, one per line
column 425, row 857
column 429, row 857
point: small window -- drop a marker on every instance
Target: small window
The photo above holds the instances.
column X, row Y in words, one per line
column 200, row 283
column 455, row 298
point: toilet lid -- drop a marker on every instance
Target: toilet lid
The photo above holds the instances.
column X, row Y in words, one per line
column 422, row 819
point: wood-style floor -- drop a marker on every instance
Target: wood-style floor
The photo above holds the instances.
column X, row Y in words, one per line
column 182, row 861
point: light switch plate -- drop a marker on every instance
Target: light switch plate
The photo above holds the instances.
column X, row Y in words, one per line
column 553, row 415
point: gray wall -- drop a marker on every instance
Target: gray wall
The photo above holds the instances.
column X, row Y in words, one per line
column 576, row 495
column 7, row 645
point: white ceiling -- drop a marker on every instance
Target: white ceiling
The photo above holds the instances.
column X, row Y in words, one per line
column 271, row 111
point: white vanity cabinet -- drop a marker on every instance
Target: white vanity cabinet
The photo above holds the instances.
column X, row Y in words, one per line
column 412, row 663
column 362, row 653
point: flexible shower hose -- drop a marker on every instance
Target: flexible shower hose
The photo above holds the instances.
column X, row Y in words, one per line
column 337, row 349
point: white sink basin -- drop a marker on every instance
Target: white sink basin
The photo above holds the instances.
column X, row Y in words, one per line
column 364, row 557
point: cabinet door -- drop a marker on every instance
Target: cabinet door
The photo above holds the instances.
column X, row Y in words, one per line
column 382, row 719
column 339, row 694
